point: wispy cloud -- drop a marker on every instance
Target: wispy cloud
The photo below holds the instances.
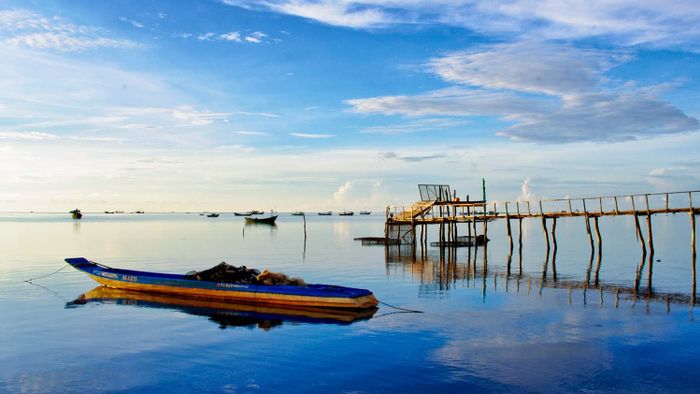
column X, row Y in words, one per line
column 312, row 136
column 24, row 28
column 410, row 158
column 338, row 13
column 418, row 126
column 628, row 22
column 244, row 132
column 256, row 37
column 263, row 114
column 132, row 22
column 230, row 36
column 27, row 135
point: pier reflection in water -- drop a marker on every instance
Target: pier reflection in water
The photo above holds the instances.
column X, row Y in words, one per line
column 225, row 313
column 441, row 269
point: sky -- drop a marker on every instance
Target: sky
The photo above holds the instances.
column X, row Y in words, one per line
column 316, row 104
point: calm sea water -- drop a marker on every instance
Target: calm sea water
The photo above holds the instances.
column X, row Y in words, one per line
column 481, row 330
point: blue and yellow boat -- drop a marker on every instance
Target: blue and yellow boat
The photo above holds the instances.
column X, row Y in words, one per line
column 318, row 295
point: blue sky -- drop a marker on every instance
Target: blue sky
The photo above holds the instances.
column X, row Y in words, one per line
column 299, row 104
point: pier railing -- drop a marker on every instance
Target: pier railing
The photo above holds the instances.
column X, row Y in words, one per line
column 633, row 204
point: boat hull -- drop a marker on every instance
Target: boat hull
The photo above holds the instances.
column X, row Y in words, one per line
column 322, row 296
column 267, row 220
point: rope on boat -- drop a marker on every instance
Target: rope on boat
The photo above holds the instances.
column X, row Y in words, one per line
column 400, row 309
column 47, row 275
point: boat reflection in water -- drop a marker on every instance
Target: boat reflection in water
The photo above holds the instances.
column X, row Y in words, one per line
column 226, row 314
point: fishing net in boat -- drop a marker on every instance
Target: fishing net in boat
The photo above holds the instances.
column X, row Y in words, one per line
column 226, row 273
column 231, row 274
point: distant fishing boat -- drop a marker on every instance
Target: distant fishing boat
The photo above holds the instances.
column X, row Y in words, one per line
column 266, row 220
column 243, row 213
column 254, row 212
column 139, row 212
column 297, row 213
column 213, row 215
column 327, row 213
column 365, row 212
column 322, row 296
column 109, row 212
column 76, row 214
column 346, row 213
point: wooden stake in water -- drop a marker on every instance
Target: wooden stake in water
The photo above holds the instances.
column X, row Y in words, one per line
column 692, row 246
column 638, row 228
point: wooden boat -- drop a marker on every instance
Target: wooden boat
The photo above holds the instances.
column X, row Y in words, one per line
column 243, row 213
column 327, row 213
column 365, row 212
column 213, row 215
column 76, row 214
column 322, row 296
column 225, row 313
column 346, row 213
column 267, row 220
column 254, row 212
column 297, row 213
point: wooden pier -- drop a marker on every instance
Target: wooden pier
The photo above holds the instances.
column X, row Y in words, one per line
column 440, row 206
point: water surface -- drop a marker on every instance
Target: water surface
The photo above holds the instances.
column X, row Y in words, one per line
column 481, row 330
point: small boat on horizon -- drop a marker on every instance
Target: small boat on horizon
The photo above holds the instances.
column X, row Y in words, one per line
column 243, row 213
column 76, row 214
column 213, row 215
column 365, row 212
column 266, row 220
column 308, row 295
column 327, row 213
column 346, row 213
column 254, row 212
column 297, row 213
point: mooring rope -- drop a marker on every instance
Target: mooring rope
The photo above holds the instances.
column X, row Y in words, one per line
column 47, row 275
column 401, row 309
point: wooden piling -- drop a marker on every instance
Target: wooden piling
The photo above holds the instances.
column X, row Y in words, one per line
column 544, row 227
column 520, row 246
column 510, row 236
column 638, row 228
column 692, row 246
column 554, row 250
column 600, row 250
column 649, row 233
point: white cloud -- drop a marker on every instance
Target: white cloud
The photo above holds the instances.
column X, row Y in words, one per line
column 198, row 118
column 205, row 36
column 548, row 92
column 27, row 135
column 21, row 28
column 243, row 132
column 231, row 36
column 338, row 13
column 659, row 171
column 418, row 126
column 340, row 195
column 133, row 23
column 312, row 136
column 263, row 114
column 533, row 67
column 451, row 101
column 653, row 22
column 256, row 37
column 525, row 193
